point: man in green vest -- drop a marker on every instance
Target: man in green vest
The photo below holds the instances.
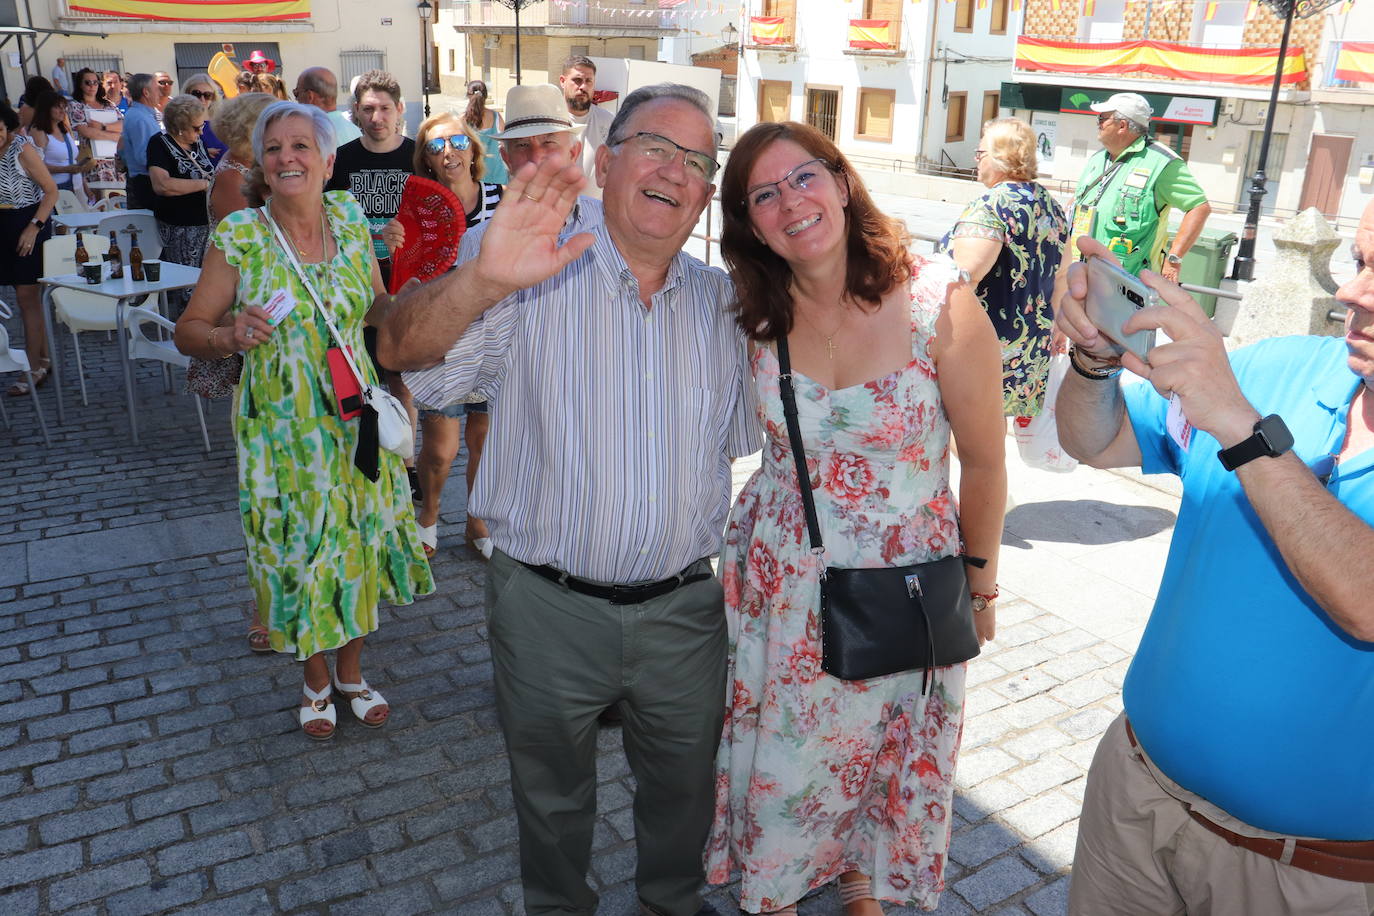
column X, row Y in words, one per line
column 1129, row 186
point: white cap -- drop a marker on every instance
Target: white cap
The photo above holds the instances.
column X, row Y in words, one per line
column 1128, row 105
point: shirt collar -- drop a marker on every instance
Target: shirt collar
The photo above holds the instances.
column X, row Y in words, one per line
column 1335, row 388
column 613, row 266
column 1136, row 146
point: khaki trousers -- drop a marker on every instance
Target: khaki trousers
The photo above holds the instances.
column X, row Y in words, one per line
column 559, row 659
column 1140, row 853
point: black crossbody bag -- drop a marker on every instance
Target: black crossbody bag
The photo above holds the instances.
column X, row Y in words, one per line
column 877, row 621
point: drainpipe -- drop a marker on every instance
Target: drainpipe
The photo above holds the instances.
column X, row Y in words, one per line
column 930, row 76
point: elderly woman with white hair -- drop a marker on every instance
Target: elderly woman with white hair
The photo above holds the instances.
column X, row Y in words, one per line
column 179, row 169
column 327, row 517
column 1010, row 240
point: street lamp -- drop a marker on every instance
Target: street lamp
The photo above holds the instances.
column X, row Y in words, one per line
column 426, row 11
column 730, row 35
column 516, row 6
column 1244, row 266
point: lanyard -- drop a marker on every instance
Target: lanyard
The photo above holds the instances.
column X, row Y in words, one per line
column 1105, row 179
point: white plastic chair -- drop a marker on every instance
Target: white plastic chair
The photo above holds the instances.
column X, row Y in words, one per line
column 68, row 201
column 18, row 361
column 141, row 346
column 149, row 242
column 79, row 311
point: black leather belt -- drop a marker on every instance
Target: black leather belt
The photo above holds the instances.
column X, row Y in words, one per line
column 618, row 594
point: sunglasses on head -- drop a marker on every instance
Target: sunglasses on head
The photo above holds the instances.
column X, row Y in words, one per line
column 459, row 142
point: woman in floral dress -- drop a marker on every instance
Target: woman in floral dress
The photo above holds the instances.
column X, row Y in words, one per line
column 817, row 778
column 326, row 544
column 1010, row 240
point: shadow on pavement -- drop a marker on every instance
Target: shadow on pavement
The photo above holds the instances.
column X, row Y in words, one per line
column 1082, row 521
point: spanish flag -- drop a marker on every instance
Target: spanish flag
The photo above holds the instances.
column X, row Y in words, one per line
column 1251, row 9
column 1237, row 66
column 1015, row 5
column 1355, row 61
column 1089, row 6
column 870, row 34
column 198, row 10
column 767, row 30
column 1211, row 12
column 1345, row 7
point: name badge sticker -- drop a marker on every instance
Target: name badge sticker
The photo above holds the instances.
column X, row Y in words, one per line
column 1137, row 178
column 1180, row 430
column 279, row 306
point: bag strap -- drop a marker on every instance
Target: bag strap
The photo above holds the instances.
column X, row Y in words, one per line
column 789, row 412
column 314, row 297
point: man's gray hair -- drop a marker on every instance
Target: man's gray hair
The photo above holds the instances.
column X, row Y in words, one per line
column 324, row 128
column 139, row 83
column 689, row 94
column 1136, row 128
column 318, row 80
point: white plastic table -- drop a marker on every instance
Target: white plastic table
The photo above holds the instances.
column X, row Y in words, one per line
column 87, row 220
column 174, row 276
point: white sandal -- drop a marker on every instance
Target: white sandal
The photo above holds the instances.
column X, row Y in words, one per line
column 321, row 709
column 429, row 538
column 362, row 699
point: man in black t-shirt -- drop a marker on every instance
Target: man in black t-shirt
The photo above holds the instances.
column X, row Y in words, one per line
column 374, row 167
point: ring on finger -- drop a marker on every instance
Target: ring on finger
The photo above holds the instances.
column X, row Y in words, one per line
column 531, row 197
column 248, row 332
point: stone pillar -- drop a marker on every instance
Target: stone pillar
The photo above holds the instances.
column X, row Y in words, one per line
column 1294, row 294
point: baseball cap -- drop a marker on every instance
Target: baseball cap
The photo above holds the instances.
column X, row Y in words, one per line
column 1128, row 105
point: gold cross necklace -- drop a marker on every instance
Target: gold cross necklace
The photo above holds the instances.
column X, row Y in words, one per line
column 830, row 347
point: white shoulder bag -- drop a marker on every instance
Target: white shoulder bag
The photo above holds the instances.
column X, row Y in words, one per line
column 394, row 432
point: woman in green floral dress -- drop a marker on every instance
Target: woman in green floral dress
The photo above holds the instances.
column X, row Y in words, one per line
column 326, row 544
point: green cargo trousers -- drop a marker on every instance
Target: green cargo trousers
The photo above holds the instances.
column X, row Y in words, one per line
column 559, row 658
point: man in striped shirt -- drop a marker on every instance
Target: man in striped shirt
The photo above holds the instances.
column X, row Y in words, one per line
column 620, row 393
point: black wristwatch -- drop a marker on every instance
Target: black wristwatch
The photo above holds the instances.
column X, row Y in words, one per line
column 38, row 222
column 1270, row 439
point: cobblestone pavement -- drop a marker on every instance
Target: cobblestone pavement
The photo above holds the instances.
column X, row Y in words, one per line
column 149, row 762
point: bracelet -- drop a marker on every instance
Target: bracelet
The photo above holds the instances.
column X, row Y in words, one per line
column 989, row 598
column 210, row 342
column 1096, row 374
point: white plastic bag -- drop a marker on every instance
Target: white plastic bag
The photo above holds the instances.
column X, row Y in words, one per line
column 1037, row 438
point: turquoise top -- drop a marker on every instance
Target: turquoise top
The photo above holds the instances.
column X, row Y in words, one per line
column 1243, row 690
column 493, row 166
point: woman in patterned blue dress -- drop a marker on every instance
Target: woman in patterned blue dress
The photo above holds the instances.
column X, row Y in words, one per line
column 1011, row 240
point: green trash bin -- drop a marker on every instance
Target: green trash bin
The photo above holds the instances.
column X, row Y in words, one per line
column 1205, row 264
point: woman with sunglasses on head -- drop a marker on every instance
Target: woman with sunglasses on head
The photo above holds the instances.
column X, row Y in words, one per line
column 52, row 134
column 449, row 150
column 202, row 87
column 179, row 169
column 823, row 779
column 96, row 119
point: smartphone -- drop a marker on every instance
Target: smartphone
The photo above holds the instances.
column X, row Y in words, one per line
column 1113, row 297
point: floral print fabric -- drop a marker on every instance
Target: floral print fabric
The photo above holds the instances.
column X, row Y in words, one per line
column 1017, row 289
column 816, row 776
column 325, row 544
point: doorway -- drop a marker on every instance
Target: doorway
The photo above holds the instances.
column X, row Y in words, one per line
column 1273, row 169
column 1328, row 160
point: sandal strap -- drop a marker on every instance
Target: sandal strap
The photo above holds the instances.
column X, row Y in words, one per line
column 854, row 891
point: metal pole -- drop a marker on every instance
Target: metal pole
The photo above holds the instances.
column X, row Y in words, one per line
column 518, row 4
column 424, row 61
column 1244, row 267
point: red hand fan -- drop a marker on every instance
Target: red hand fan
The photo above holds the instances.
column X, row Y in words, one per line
column 433, row 220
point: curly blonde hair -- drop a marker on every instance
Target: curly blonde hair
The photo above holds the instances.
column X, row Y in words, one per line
column 1010, row 144
column 233, row 122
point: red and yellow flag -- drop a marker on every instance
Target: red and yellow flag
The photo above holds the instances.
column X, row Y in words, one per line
column 870, row 34
column 1355, row 61
column 1251, row 9
column 199, row 10
column 767, row 30
column 1089, row 7
column 1211, row 12
column 1238, row 66
column 1015, row 5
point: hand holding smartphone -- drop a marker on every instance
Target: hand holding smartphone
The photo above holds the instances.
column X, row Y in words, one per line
column 1113, row 297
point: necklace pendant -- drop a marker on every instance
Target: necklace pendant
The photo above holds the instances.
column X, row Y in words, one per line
column 830, row 347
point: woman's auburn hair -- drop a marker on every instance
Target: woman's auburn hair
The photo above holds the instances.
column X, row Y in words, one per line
column 876, row 243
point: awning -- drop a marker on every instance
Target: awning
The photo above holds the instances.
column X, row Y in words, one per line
column 1241, row 66
column 1355, row 61
column 1168, row 109
column 198, row 10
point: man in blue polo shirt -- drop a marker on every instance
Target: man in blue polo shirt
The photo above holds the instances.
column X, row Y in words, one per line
column 1240, row 777
column 140, row 125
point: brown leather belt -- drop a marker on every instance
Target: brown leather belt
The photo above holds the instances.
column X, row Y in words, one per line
column 1348, row 861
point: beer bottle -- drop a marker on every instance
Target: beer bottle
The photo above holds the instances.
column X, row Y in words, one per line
column 115, row 258
column 135, row 258
column 81, row 254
